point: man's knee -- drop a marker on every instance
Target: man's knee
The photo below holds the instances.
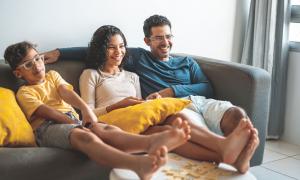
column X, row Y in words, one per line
column 236, row 113
column 231, row 119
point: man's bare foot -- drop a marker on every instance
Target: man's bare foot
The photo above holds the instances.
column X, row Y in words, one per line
column 242, row 163
column 172, row 138
column 146, row 166
column 236, row 141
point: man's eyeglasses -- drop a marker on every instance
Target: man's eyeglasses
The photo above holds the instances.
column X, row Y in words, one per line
column 30, row 63
column 161, row 38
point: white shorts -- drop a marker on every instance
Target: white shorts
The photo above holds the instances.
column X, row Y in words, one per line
column 211, row 111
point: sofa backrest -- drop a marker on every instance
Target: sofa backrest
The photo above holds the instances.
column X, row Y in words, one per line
column 69, row 70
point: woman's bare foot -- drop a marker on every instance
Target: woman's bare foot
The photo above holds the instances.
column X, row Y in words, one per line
column 146, row 166
column 176, row 136
column 236, row 141
column 242, row 163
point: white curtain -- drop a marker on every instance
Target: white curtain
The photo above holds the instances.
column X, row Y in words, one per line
column 266, row 46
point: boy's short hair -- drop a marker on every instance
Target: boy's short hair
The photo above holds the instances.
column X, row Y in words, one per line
column 153, row 21
column 16, row 52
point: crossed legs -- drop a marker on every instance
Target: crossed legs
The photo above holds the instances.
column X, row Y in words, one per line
column 175, row 136
column 90, row 144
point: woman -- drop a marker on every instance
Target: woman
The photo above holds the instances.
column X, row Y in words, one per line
column 105, row 86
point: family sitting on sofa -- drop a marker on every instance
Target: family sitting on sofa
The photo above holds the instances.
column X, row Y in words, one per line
column 116, row 111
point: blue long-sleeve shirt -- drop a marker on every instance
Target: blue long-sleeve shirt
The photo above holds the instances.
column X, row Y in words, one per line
column 182, row 74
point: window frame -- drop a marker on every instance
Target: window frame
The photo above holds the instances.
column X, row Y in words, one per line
column 295, row 18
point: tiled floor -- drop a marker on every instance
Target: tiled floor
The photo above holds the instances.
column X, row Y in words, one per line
column 281, row 162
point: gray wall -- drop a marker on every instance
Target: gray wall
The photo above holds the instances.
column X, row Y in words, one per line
column 211, row 28
column 292, row 116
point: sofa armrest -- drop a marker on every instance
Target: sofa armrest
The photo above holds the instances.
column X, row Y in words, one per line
column 8, row 79
column 244, row 86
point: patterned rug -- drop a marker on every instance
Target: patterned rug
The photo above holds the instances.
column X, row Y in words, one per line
column 180, row 168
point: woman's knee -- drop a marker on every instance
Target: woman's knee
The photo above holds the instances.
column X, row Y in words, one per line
column 111, row 127
column 83, row 136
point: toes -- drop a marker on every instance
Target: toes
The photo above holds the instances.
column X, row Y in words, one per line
column 163, row 155
column 254, row 131
column 177, row 122
column 163, row 151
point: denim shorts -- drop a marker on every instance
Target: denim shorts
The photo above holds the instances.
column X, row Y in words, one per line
column 211, row 110
column 52, row 134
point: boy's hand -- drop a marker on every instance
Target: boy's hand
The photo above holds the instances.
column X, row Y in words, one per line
column 51, row 56
column 129, row 101
column 88, row 116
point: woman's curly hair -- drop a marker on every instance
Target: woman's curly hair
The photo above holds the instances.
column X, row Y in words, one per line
column 96, row 56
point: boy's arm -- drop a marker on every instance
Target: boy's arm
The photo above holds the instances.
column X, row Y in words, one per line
column 47, row 112
column 70, row 97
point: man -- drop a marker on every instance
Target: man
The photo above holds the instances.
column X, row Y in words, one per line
column 166, row 76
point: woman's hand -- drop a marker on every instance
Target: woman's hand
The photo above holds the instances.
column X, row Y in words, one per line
column 129, row 101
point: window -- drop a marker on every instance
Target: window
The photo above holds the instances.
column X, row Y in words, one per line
column 294, row 29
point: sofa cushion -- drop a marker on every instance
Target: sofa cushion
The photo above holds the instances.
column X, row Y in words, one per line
column 14, row 128
column 45, row 163
column 136, row 119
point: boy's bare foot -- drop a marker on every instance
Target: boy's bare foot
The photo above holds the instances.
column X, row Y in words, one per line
column 242, row 163
column 236, row 141
column 172, row 138
column 146, row 166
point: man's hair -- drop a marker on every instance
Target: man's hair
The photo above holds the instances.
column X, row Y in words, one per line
column 15, row 53
column 96, row 56
column 153, row 21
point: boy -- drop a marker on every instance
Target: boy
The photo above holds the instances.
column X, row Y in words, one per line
column 46, row 100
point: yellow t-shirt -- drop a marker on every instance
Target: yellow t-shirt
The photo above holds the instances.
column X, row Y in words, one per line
column 30, row 97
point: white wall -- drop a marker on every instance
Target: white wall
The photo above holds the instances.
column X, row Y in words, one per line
column 201, row 27
column 292, row 113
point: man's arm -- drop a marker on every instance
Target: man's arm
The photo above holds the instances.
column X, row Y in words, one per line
column 199, row 83
column 72, row 53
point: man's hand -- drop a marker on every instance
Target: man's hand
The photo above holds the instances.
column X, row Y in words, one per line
column 129, row 101
column 155, row 95
column 51, row 56
column 168, row 92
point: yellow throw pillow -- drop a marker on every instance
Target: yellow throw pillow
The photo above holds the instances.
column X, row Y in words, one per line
column 136, row 119
column 14, row 128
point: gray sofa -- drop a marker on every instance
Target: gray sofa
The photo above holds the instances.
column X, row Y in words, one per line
column 243, row 85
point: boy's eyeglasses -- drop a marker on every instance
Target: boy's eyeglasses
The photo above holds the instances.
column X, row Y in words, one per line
column 161, row 38
column 29, row 64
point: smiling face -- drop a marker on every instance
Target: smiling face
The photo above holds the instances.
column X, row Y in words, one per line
column 115, row 51
column 160, row 42
column 31, row 68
